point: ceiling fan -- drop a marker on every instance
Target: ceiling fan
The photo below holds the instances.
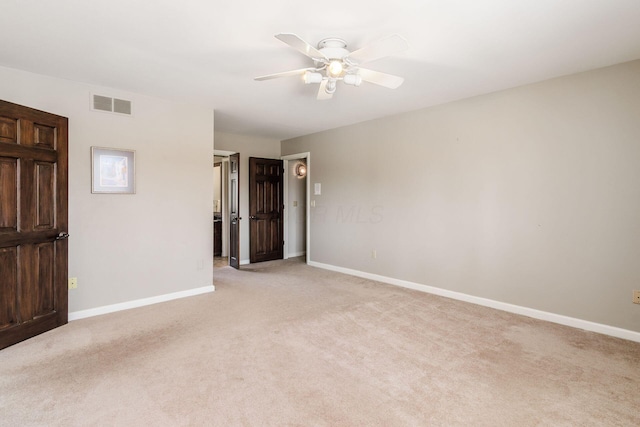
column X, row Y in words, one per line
column 333, row 62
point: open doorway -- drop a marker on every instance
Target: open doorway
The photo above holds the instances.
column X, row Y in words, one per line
column 221, row 208
column 296, row 199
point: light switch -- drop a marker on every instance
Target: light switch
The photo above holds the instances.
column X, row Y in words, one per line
column 317, row 189
column 295, row 203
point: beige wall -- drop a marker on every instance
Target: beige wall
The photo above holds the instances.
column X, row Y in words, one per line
column 529, row 196
column 247, row 146
column 128, row 247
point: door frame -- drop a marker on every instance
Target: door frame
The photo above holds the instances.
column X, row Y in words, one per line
column 235, row 226
column 225, row 206
column 219, row 164
column 226, row 198
column 286, row 159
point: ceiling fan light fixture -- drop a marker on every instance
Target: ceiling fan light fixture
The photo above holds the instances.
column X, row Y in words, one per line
column 310, row 77
column 352, row 79
column 330, row 88
column 333, row 61
column 335, row 68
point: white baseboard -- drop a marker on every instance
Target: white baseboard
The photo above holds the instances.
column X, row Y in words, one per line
column 296, row 254
column 76, row 315
column 244, row 262
column 511, row 308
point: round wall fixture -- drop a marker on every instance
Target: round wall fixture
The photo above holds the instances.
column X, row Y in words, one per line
column 300, row 170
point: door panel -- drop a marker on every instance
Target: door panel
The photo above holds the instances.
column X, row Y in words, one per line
column 8, row 130
column 45, row 202
column 234, row 210
column 9, row 199
column 265, row 208
column 33, row 212
column 45, row 136
column 9, row 294
column 44, row 296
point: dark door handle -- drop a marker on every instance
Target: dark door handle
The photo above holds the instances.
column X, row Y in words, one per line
column 62, row 236
column 253, row 217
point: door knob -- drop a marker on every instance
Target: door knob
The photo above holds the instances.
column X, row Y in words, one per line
column 63, row 235
column 253, row 217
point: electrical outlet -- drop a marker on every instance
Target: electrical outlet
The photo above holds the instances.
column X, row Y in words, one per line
column 636, row 297
column 73, row 283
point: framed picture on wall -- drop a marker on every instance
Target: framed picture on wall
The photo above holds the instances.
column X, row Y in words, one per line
column 113, row 171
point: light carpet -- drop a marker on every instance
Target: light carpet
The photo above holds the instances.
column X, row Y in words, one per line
column 285, row 344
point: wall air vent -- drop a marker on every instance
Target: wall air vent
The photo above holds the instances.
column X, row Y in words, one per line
column 111, row 105
column 121, row 106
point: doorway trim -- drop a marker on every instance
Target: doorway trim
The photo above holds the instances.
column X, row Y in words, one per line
column 225, row 198
column 286, row 159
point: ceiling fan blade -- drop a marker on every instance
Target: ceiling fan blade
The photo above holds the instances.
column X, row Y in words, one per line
column 322, row 92
column 382, row 79
column 285, row 74
column 379, row 49
column 302, row 46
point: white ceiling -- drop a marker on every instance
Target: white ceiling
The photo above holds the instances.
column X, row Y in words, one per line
column 208, row 52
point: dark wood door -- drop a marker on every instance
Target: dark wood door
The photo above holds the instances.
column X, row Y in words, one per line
column 33, row 222
column 265, row 209
column 234, row 210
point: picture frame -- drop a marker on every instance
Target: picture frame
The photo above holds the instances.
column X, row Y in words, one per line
column 113, row 171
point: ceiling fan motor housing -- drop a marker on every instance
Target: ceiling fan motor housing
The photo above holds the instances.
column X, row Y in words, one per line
column 334, row 49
